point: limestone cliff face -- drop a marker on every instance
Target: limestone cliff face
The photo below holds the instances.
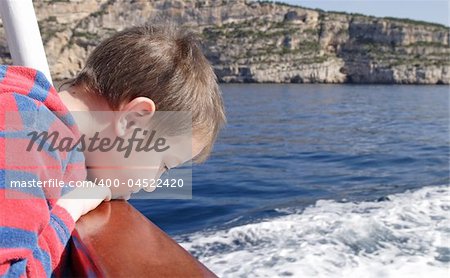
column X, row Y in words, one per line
column 249, row 41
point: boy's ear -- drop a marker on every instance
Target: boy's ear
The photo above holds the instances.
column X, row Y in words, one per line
column 134, row 114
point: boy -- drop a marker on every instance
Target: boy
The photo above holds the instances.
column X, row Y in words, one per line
column 132, row 75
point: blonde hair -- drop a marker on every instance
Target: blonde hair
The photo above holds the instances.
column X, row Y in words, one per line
column 163, row 63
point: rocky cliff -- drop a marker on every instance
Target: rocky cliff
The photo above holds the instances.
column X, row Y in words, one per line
column 250, row 41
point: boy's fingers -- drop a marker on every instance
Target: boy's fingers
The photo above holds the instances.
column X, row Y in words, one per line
column 100, row 192
column 84, row 199
column 96, row 192
column 107, row 194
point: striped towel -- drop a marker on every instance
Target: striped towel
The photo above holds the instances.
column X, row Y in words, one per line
column 34, row 231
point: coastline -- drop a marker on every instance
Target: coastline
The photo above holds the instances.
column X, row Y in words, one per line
column 260, row 42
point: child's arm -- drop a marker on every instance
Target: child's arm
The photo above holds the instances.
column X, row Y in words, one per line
column 78, row 207
column 32, row 238
column 34, row 225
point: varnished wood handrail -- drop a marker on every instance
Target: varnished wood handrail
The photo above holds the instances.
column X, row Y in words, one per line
column 121, row 242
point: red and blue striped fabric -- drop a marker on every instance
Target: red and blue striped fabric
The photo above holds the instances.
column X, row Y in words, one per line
column 34, row 231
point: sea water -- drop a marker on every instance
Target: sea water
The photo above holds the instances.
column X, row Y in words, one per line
column 321, row 180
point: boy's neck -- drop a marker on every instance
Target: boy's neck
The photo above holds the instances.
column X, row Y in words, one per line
column 78, row 100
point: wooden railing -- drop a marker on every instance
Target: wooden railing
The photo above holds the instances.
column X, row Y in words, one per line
column 115, row 240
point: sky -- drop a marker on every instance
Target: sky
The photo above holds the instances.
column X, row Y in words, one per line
column 436, row 11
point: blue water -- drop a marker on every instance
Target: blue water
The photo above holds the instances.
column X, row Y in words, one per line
column 287, row 146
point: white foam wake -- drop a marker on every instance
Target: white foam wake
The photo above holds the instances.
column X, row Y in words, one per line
column 406, row 236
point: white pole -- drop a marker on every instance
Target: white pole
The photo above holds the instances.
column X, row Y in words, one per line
column 22, row 33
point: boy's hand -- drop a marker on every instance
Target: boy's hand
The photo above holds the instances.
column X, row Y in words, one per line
column 82, row 200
